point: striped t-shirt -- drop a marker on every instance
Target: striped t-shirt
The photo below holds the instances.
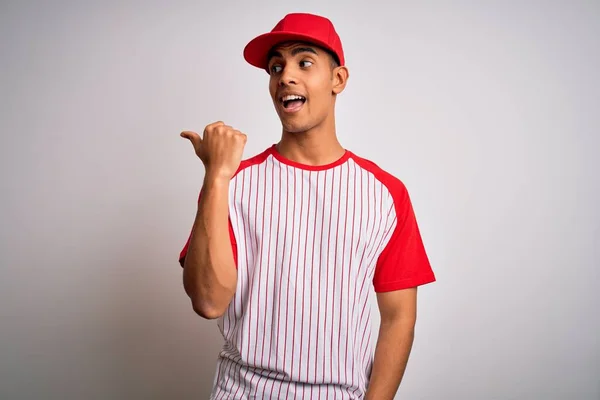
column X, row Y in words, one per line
column 308, row 242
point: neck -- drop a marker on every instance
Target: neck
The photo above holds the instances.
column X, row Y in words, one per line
column 317, row 146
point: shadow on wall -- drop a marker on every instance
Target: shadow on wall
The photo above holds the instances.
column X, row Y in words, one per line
column 161, row 349
column 130, row 331
column 97, row 310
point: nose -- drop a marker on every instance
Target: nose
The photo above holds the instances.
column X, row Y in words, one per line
column 286, row 78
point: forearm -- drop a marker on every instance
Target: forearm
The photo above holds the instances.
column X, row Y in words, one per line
column 391, row 357
column 209, row 273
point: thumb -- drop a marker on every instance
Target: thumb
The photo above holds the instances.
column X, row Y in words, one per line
column 192, row 137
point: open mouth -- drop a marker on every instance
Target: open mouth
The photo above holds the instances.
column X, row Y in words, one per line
column 293, row 102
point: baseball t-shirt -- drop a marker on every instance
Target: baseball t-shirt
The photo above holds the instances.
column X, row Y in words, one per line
column 309, row 242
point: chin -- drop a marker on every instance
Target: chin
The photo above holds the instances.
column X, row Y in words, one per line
column 296, row 123
column 294, row 127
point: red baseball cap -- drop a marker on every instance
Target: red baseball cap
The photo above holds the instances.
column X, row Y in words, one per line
column 298, row 27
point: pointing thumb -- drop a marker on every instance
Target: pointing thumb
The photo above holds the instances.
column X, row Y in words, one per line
column 192, row 137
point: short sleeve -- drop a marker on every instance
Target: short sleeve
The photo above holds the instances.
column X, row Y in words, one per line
column 184, row 250
column 403, row 263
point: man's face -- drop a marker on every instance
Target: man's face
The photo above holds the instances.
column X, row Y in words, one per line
column 301, row 85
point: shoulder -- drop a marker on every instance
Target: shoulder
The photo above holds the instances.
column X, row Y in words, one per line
column 253, row 160
column 394, row 185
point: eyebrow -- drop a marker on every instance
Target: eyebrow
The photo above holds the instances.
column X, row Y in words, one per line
column 297, row 50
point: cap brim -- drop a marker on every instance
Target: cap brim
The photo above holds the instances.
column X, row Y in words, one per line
column 257, row 50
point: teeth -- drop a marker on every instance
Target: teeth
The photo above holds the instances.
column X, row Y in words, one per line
column 292, row 97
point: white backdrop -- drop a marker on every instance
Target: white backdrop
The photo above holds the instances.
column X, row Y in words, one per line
column 488, row 111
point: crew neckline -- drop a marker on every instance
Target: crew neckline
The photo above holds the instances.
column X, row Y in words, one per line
column 275, row 153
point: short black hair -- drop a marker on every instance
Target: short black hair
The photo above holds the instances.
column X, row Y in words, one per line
column 335, row 61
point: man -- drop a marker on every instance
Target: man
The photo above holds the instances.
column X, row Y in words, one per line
column 284, row 244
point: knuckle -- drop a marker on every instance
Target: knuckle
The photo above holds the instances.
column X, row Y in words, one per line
column 214, row 125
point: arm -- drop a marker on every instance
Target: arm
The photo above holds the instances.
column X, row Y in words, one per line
column 398, row 311
column 209, row 273
column 209, row 270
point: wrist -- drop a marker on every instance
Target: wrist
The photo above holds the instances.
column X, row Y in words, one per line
column 216, row 180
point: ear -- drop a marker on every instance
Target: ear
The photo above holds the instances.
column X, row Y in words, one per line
column 340, row 78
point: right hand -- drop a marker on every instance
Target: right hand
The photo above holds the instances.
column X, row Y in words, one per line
column 220, row 149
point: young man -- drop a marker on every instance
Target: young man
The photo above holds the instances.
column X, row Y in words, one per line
column 285, row 244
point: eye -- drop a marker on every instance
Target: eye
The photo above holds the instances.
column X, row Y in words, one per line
column 305, row 63
column 275, row 68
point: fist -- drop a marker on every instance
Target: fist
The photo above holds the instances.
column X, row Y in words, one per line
column 220, row 148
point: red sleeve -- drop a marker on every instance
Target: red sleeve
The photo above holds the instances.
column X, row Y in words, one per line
column 183, row 252
column 403, row 262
